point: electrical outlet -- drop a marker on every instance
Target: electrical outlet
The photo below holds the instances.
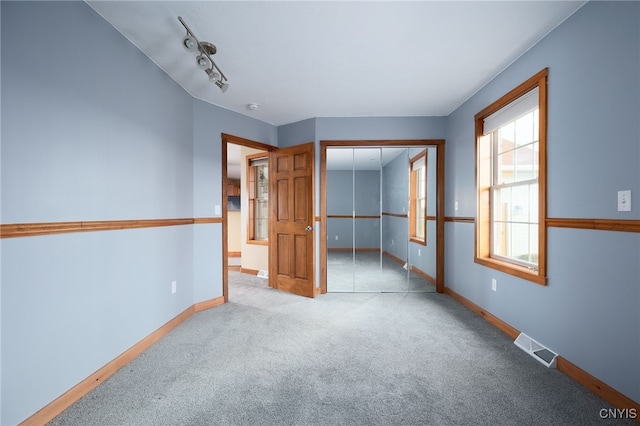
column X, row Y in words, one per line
column 216, row 209
column 456, row 206
column 494, row 284
column 174, row 285
column 336, row 238
column 392, row 241
column 418, row 252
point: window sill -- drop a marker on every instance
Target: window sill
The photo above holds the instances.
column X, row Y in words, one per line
column 511, row 269
column 418, row 241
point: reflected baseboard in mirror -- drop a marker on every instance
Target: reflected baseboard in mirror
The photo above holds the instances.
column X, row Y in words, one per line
column 367, row 271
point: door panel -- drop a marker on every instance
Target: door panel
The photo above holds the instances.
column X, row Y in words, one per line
column 282, row 200
column 301, row 185
column 291, row 232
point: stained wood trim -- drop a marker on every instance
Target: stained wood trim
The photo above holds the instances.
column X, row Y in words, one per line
column 623, row 225
column 323, row 217
column 237, row 140
column 492, row 319
column 424, row 275
column 235, row 254
column 47, row 228
column 337, row 216
column 590, row 382
column 440, row 240
column 200, row 220
column 596, row 386
column 382, row 143
column 394, row 258
column 208, row 304
column 317, row 219
column 418, row 271
column 249, row 271
column 64, row 401
column 31, row 229
column 402, row 215
column 345, row 249
column 460, row 219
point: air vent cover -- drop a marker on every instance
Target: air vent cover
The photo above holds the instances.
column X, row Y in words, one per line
column 536, row 350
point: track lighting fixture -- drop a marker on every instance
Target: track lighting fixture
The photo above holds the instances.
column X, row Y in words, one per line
column 203, row 61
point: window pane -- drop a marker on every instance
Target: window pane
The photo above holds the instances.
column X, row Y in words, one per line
column 261, row 200
column 533, row 203
column 422, row 190
column 500, row 238
column 261, row 220
column 420, row 218
column 501, row 204
column 262, row 181
column 524, row 129
column 506, row 137
column 536, row 156
column 520, row 208
column 515, row 213
column 519, row 241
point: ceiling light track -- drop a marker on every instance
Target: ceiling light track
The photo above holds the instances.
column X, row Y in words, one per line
column 203, row 60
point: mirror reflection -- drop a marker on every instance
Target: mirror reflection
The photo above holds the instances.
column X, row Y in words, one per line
column 381, row 220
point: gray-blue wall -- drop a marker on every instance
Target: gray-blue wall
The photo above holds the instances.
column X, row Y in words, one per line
column 115, row 140
column 108, row 141
column 342, row 200
column 589, row 312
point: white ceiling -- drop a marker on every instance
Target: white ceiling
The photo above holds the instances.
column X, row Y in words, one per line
column 304, row 59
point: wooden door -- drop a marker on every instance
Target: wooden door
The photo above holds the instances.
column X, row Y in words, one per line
column 291, row 236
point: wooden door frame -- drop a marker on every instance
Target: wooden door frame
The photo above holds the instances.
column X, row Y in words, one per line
column 438, row 143
column 236, row 140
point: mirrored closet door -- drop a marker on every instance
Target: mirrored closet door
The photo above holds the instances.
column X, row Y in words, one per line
column 380, row 219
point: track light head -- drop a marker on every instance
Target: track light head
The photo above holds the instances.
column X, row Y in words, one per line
column 222, row 86
column 189, row 43
column 213, row 76
column 203, row 62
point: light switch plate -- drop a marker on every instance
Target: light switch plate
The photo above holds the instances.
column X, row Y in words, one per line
column 624, row 201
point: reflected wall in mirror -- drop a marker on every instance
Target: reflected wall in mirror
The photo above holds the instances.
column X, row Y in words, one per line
column 368, row 203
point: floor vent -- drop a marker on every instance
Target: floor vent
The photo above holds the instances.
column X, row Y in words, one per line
column 536, row 350
column 263, row 274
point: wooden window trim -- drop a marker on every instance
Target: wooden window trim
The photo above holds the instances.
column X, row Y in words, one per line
column 251, row 199
column 483, row 180
column 413, row 201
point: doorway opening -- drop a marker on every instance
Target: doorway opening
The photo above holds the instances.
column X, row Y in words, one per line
column 244, row 248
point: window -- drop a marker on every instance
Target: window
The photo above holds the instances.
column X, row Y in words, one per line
column 511, row 181
column 258, row 180
column 418, row 199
